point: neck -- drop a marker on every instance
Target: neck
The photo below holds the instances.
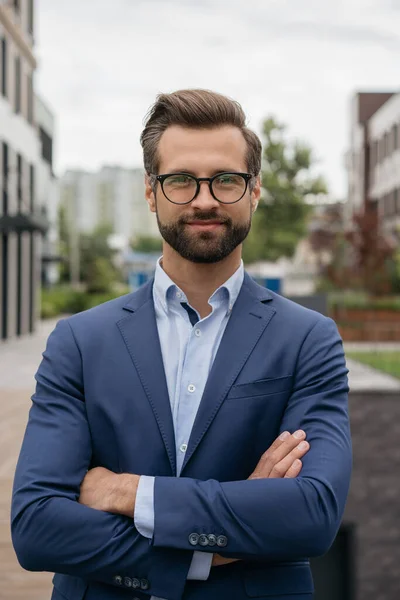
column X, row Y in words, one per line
column 199, row 281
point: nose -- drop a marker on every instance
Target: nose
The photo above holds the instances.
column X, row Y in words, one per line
column 204, row 200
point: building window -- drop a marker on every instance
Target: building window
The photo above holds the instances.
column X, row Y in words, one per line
column 4, row 67
column 30, row 17
column 4, row 284
column 381, row 150
column 19, row 183
column 30, row 98
column 47, row 147
column 386, row 149
column 395, row 137
column 32, row 188
column 5, row 180
column 17, row 84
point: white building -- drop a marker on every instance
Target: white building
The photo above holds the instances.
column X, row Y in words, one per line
column 373, row 161
column 112, row 196
column 48, row 193
column 21, row 220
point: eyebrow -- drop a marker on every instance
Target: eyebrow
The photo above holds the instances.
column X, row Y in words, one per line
column 190, row 172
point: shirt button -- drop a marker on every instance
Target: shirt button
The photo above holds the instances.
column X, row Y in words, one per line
column 197, row 332
column 179, row 294
column 183, row 448
column 191, row 388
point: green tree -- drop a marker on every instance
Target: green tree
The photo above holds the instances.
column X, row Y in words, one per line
column 100, row 276
column 146, row 243
column 281, row 218
column 94, row 246
column 95, row 255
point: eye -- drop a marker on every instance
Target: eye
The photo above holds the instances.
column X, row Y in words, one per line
column 178, row 180
column 228, row 179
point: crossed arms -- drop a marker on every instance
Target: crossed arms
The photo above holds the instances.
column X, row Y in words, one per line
column 267, row 518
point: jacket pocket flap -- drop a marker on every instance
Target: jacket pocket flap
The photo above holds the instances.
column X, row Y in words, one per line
column 262, row 387
column 278, row 580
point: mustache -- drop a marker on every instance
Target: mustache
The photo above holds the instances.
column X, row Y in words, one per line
column 204, row 216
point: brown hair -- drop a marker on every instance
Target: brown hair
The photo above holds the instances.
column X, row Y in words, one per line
column 197, row 109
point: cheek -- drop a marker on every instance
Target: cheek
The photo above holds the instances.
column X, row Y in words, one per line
column 166, row 211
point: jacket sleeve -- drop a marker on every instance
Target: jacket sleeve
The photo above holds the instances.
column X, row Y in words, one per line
column 51, row 531
column 200, row 566
column 276, row 519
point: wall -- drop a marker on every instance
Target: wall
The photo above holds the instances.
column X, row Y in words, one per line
column 373, row 504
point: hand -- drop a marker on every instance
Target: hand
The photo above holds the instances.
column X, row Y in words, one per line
column 104, row 490
column 281, row 460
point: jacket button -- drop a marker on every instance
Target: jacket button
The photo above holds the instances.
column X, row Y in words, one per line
column 203, row 539
column 212, row 539
column 118, row 580
column 127, row 582
column 194, row 539
column 222, row 541
column 135, row 583
column 144, row 584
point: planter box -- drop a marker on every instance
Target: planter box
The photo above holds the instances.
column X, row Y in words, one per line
column 365, row 314
column 369, row 331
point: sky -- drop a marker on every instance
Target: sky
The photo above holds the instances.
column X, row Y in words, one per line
column 102, row 63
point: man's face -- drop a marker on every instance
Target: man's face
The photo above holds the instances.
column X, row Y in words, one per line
column 204, row 231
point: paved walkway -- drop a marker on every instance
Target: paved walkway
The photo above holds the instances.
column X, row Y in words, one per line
column 19, row 360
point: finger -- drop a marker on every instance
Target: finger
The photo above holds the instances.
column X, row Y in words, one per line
column 284, row 437
column 278, row 451
column 294, row 469
column 280, row 469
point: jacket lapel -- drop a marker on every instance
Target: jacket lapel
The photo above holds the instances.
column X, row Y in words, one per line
column 250, row 316
column 140, row 333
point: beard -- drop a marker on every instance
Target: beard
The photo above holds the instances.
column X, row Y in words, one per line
column 207, row 246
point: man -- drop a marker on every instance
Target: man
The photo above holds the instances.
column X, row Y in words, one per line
column 165, row 455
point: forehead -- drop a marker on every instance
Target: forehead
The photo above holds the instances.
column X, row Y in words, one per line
column 198, row 150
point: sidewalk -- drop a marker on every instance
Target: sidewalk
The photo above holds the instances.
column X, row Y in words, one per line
column 19, row 360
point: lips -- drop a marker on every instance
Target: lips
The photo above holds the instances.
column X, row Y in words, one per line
column 205, row 225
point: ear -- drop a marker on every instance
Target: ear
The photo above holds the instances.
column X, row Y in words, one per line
column 149, row 194
column 255, row 195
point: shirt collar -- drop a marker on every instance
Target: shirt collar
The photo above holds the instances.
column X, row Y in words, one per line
column 165, row 289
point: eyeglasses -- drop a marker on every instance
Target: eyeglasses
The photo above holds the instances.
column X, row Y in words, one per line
column 181, row 188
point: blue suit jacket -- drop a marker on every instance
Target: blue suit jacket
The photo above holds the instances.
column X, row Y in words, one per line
column 101, row 400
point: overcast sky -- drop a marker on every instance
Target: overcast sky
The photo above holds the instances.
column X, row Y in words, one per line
column 102, row 62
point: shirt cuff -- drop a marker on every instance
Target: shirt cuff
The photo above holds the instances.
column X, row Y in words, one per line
column 200, row 566
column 144, row 506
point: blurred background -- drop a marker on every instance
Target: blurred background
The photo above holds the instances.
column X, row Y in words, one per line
column 320, row 85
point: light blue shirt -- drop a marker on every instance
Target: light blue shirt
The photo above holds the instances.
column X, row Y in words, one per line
column 188, row 352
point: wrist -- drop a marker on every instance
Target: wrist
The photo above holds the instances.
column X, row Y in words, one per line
column 124, row 494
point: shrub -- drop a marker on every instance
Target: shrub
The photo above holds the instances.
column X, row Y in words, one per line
column 66, row 300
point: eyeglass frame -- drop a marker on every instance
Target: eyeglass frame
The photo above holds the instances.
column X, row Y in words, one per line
column 161, row 178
